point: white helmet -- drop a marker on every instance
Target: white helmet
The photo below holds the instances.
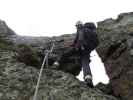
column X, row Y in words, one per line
column 79, row 23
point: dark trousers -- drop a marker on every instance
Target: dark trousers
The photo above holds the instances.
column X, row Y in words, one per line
column 85, row 61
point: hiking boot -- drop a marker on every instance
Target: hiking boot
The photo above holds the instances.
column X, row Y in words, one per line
column 88, row 81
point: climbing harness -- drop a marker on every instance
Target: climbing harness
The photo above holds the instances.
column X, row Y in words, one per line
column 41, row 70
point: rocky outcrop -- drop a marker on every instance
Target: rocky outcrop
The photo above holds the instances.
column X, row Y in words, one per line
column 31, row 50
column 18, row 81
column 116, row 51
column 19, row 72
column 63, row 52
column 5, row 30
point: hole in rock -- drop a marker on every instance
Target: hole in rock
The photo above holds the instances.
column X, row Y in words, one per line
column 97, row 69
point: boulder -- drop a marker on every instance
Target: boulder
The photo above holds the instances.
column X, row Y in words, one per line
column 115, row 49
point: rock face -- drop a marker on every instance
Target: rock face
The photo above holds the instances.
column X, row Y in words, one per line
column 18, row 81
column 19, row 72
column 116, row 51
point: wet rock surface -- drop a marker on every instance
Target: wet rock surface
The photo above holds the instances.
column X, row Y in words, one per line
column 115, row 49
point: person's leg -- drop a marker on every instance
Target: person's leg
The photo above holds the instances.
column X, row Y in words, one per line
column 85, row 60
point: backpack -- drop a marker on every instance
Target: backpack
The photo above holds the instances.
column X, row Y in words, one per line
column 90, row 37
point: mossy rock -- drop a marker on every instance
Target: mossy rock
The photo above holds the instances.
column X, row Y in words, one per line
column 27, row 55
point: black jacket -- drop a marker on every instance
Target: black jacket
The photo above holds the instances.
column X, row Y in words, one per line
column 86, row 38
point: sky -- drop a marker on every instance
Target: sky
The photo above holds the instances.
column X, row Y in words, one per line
column 57, row 17
column 97, row 69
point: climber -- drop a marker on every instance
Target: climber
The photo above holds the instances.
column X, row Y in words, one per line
column 85, row 41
